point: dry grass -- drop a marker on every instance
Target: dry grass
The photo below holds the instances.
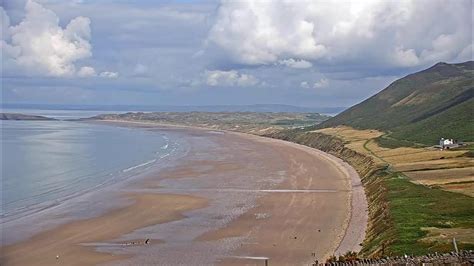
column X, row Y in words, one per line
column 357, row 146
column 355, row 139
column 446, row 235
column 435, row 164
column 462, row 188
column 442, row 176
column 350, row 134
column 407, row 155
column 427, row 166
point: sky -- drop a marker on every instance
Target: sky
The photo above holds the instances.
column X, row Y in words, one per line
column 299, row 52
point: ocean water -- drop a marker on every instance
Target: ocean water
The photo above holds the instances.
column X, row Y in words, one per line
column 59, row 114
column 47, row 163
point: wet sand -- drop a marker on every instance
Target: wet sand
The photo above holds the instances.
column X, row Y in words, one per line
column 66, row 240
column 233, row 196
column 295, row 228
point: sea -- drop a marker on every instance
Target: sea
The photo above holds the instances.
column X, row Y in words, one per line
column 46, row 164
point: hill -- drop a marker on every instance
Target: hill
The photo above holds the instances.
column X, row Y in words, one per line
column 256, row 108
column 421, row 107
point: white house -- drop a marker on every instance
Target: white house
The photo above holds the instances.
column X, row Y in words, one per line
column 443, row 142
column 447, row 143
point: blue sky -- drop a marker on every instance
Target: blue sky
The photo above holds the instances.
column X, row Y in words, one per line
column 306, row 53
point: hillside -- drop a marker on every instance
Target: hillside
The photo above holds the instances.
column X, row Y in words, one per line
column 421, row 107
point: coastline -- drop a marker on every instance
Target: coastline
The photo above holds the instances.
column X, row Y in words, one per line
column 355, row 224
column 352, row 225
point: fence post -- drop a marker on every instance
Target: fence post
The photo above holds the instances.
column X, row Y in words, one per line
column 455, row 245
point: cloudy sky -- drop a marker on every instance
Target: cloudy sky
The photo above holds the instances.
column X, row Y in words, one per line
column 307, row 53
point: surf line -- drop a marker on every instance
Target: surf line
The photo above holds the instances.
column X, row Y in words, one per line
column 139, row 165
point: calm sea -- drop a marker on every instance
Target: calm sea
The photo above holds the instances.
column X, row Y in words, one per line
column 45, row 163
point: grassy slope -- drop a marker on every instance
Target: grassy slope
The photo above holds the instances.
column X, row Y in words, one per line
column 456, row 122
column 415, row 206
column 408, row 106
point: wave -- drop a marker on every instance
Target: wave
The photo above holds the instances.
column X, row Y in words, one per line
column 138, row 165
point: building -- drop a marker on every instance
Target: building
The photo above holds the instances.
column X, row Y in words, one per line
column 447, row 144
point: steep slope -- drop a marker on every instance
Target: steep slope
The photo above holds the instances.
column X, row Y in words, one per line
column 420, row 107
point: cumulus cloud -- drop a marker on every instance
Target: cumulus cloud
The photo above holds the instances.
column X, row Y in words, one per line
column 38, row 45
column 86, row 72
column 380, row 33
column 229, row 78
column 322, row 83
column 304, row 85
column 43, row 47
column 295, row 63
column 108, row 74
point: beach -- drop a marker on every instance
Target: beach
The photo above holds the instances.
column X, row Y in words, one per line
column 233, row 199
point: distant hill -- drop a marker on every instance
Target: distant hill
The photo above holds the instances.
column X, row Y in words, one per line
column 421, row 107
column 14, row 116
column 250, row 122
column 260, row 108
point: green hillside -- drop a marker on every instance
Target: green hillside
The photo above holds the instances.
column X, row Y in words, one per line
column 421, row 107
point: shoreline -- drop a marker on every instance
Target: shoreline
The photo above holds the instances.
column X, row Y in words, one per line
column 348, row 239
column 357, row 222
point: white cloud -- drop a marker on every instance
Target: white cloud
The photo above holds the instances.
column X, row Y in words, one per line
column 322, row 83
column 304, row 85
column 46, row 48
column 378, row 33
column 295, row 63
column 38, row 45
column 108, row 74
column 86, row 72
column 229, row 78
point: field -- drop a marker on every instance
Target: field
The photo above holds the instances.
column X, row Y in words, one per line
column 428, row 166
column 427, row 219
column 429, row 192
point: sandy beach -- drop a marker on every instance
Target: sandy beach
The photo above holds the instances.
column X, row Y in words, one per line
column 233, row 199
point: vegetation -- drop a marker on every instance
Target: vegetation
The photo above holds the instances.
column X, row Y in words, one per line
column 456, row 123
column 250, row 122
column 421, row 108
column 414, row 207
column 390, row 142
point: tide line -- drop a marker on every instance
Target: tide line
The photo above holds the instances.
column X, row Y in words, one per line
column 243, row 190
